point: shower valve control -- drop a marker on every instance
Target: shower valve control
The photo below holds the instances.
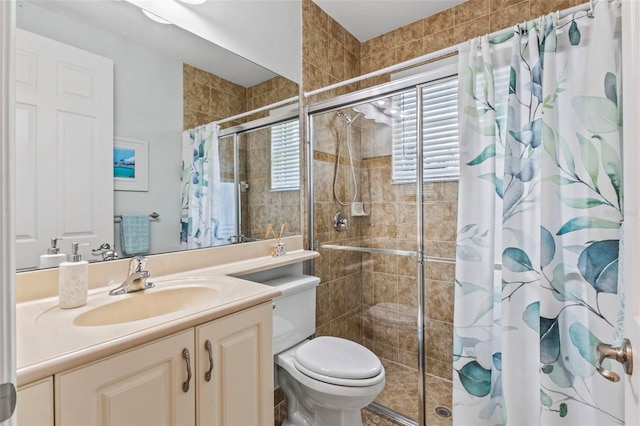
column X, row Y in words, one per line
column 340, row 222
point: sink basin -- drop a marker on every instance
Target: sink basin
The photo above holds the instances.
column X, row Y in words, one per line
column 147, row 304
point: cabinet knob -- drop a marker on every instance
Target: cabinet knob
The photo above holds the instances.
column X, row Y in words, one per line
column 207, row 346
column 187, row 359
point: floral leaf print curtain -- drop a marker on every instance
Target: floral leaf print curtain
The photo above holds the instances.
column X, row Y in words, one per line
column 200, row 187
column 539, row 224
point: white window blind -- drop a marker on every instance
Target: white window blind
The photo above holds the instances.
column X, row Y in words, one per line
column 285, row 156
column 441, row 156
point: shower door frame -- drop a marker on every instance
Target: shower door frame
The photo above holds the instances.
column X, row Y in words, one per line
column 236, row 132
column 440, row 71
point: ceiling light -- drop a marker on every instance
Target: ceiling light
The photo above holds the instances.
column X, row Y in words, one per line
column 155, row 17
column 192, row 1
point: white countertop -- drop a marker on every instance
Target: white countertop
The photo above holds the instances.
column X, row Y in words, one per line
column 48, row 341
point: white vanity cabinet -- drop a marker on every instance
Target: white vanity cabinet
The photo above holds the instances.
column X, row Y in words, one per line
column 35, row 403
column 143, row 386
column 235, row 369
column 164, row 383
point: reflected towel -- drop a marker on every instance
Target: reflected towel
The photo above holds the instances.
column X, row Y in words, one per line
column 134, row 233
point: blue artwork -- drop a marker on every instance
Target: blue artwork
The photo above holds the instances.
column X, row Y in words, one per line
column 124, row 163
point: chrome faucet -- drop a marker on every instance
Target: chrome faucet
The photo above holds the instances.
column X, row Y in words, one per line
column 137, row 279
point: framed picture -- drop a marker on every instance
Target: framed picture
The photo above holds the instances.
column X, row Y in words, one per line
column 130, row 164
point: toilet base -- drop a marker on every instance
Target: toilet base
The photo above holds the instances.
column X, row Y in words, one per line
column 352, row 418
column 305, row 406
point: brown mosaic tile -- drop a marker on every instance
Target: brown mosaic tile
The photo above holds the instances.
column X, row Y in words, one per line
column 440, row 271
column 438, row 40
column 543, row 7
column 352, row 44
column 471, row 29
column 409, row 50
column 443, row 21
column 438, row 340
column 439, row 300
column 335, row 57
column 324, row 307
column 470, row 10
column 439, row 368
column 371, row 419
column 410, row 32
column 506, row 17
column 386, row 288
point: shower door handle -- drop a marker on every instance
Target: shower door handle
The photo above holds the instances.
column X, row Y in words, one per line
column 623, row 354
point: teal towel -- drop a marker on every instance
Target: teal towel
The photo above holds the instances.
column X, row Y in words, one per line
column 134, row 233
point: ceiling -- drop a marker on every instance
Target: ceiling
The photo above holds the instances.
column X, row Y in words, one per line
column 230, row 38
column 367, row 19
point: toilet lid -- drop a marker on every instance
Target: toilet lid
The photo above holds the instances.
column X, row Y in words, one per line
column 338, row 358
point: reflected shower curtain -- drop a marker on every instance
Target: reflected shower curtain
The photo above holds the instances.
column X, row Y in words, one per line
column 539, row 224
column 200, row 187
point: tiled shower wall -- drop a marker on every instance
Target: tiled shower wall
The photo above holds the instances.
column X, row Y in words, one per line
column 331, row 54
column 262, row 206
column 207, row 97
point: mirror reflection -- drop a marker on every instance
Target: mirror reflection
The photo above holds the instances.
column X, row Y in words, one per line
column 80, row 53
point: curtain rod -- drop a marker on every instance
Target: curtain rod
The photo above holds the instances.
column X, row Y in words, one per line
column 253, row 111
column 442, row 52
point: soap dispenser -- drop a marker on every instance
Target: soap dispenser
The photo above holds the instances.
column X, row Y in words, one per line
column 53, row 257
column 73, row 280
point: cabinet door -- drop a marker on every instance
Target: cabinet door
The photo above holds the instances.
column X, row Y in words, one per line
column 35, row 403
column 239, row 391
column 143, row 386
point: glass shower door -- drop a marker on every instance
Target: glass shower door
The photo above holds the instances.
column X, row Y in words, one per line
column 364, row 225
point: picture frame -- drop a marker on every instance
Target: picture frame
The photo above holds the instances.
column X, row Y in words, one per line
column 130, row 164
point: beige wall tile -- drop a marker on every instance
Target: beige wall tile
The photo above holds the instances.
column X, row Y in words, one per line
column 471, row 10
column 542, row 7
column 439, row 300
column 471, row 29
column 507, row 16
column 443, row 21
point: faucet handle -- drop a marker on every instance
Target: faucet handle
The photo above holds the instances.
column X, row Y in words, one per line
column 137, row 264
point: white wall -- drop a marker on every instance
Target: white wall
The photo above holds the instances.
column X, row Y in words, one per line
column 148, row 105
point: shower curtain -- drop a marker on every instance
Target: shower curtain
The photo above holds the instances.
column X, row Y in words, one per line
column 539, row 224
column 200, row 187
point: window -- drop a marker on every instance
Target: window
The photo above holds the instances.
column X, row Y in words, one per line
column 285, row 156
column 439, row 133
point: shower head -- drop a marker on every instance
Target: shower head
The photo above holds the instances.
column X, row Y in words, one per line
column 348, row 118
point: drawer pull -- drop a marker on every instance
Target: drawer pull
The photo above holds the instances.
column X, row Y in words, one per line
column 187, row 358
column 207, row 346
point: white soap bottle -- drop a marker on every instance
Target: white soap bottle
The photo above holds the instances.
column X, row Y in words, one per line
column 53, row 257
column 73, row 281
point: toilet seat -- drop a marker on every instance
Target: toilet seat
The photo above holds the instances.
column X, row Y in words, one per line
column 338, row 361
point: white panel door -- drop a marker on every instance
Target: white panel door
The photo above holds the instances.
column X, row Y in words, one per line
column 64, row 143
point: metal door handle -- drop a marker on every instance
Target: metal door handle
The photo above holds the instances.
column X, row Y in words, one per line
column 187, row 359
column 207, row 346
column 623, row 354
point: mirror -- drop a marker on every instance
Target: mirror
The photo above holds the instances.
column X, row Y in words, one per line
column 165, row 80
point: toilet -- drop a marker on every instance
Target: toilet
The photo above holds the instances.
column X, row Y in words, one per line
column 327, row 380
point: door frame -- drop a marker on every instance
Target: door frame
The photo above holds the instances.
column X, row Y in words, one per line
column 7, row 195
column 631, row 190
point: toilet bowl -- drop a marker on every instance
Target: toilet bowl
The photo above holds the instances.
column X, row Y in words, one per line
column 327, row 381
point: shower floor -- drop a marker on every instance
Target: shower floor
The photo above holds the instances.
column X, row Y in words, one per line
column 401, row 394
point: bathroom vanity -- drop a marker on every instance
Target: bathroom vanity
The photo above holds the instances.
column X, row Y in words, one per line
column 196, row 349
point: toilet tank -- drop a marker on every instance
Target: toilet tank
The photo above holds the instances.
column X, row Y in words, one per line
column 294, row 312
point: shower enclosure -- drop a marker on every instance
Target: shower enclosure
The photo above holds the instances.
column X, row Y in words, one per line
column 260, row 174
column 382, row 213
